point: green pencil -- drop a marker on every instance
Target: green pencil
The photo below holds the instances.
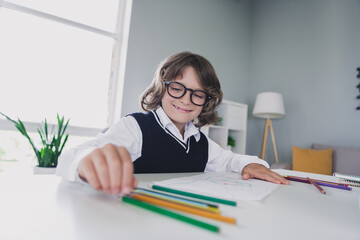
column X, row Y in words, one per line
column 171, row 214
column 188, row 194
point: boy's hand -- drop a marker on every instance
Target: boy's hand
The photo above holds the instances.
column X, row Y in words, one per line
column 110, row 169
column 254, row 170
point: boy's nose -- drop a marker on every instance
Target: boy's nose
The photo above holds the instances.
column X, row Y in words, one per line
column 186, row 98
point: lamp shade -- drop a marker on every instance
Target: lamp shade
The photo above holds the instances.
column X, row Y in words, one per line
column 269, row 105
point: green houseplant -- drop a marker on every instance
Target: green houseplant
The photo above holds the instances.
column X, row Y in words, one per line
column 219, row 119
column 231, row 141
column 52, row 143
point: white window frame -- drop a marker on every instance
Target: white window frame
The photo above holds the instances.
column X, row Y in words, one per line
column 118, row 62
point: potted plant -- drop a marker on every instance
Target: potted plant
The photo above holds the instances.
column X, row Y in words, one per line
column 231, row 142
column 52, row 143
column 220, row 119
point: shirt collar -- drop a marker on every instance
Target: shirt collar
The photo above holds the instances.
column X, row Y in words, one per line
column 190, row 128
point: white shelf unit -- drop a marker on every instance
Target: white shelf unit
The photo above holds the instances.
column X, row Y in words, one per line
column 234, row 123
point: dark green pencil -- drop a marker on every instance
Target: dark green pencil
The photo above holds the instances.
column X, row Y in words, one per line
column 188, row 194
column 171, row 214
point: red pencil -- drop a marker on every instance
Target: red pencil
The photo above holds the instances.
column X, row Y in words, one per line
column 317, row 186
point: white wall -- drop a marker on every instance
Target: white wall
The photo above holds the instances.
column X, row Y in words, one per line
column 308, row 50
column 216, row 29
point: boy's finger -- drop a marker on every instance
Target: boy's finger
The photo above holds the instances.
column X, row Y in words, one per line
column 277, row 178
column 101, row 167
column 135, row 182
column 264, row 174
column 270, row 178
column 114, row 163
column 87, row 172
column 127, row 171
column 281, row 179
column 245, row 176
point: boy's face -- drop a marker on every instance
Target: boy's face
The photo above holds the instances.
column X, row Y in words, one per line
column 182, row 110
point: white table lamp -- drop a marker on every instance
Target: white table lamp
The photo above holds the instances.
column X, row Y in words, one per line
column 269, row 105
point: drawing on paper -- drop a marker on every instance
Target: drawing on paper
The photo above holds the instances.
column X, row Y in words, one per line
column 229, row 185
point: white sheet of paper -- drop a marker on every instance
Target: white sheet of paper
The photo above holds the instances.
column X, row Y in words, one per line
column 226, row 185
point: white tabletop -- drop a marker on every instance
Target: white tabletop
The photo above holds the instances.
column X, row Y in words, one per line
column 46, row 207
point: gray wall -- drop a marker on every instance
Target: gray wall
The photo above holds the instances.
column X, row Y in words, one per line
column 216, row 29
column 308, row 50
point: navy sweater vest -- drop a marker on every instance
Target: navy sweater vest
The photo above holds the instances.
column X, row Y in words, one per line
column 162, row 152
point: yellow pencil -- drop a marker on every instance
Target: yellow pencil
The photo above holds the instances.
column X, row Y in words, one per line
column 183, row 208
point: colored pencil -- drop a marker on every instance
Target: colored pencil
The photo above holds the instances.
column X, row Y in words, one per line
column 193, row 195
column 303, row 180
column 163, row 203
column 189, row 202
column 316, row 180
column 335, row 186
column 171, row 214
column 317, row 186
column 204, row 203
column 320, row 182
column 208, row 209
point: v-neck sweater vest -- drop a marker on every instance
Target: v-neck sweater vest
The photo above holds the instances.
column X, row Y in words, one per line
column 163, row 152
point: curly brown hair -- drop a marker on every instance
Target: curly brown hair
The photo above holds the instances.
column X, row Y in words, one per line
column 173, row 67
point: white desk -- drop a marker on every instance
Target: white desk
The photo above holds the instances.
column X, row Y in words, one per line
column 45, row 207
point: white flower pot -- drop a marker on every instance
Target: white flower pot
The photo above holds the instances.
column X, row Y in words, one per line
column 44, row 170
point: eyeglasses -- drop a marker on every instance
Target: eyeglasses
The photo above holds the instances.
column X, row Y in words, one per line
column 178, row 90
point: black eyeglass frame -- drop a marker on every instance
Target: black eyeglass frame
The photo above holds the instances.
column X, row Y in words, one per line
column 208, row 96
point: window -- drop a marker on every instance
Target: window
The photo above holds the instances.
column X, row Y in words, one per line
column 95, row 13
column 62, row 56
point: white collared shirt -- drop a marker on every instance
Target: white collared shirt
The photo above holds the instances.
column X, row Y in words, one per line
column 127, row 133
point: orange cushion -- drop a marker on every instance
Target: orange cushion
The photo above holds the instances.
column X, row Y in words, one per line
column 313, row 161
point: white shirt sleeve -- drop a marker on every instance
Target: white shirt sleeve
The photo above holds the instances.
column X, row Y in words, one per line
column 125, row 133
column 221, row 160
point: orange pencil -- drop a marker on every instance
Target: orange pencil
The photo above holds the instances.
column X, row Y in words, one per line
column 316, row 185
column 183, row 208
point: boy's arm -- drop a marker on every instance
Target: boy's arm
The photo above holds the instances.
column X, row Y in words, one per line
column 249, row 166
column 68, row 161
column 221, row 160
column 125, row 133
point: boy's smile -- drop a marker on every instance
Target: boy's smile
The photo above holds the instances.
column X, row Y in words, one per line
column 182, row 110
